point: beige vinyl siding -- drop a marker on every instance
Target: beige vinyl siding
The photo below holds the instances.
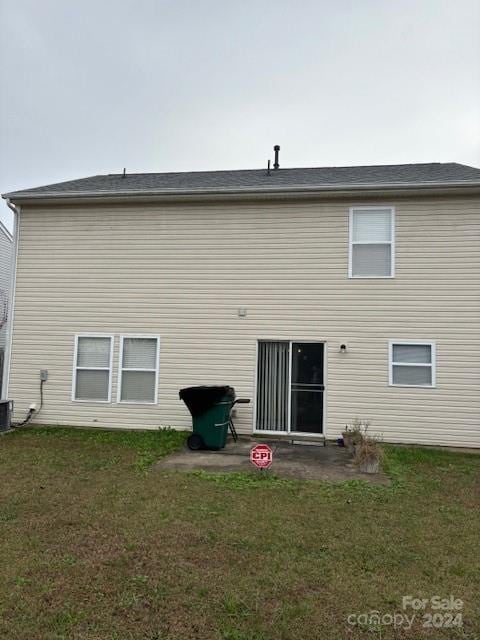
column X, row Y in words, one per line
column 182, row 272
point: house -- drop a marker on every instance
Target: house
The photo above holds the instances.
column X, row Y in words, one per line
column 322, row 294
column 6, row 257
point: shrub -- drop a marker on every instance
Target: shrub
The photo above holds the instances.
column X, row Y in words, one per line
column 368, row 455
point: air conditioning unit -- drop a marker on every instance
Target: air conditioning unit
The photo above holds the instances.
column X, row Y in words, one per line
column 6, row 411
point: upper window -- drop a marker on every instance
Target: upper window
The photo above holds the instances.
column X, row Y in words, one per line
column 93, row 368
column 412, row 364
column 371, row 251
column 138, row 378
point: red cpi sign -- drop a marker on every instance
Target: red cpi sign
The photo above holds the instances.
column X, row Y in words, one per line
column 261, row 456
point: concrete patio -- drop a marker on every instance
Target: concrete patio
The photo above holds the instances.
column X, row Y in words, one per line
column 302, row 461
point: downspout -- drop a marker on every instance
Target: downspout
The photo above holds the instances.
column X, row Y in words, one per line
column 13, row 279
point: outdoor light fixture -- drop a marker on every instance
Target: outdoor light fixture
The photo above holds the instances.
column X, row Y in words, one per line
column 343, row 348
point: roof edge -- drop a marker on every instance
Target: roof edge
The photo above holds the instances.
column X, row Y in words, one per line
column 236, row 191
column 239, row 197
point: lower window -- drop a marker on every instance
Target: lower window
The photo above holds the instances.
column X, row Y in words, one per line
column 93, row 368
column 412, row 364
column 138, row 375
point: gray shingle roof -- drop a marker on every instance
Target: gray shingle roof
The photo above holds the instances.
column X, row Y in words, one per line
column 257, row 180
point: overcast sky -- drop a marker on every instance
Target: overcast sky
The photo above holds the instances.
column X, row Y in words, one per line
column 92, row 86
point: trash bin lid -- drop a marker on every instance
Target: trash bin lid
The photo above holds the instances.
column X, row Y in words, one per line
column 201, row 399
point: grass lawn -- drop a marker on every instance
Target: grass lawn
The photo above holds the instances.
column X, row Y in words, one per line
column 96, row 543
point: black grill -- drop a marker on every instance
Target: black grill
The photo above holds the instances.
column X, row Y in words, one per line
column 6, row 410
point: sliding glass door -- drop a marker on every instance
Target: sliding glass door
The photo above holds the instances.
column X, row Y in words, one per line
column 290, row 387
column 307, row 387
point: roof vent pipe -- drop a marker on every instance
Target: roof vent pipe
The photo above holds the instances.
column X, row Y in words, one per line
column 276, row 148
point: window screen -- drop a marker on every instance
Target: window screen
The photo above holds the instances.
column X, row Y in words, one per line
column 93, row 368
column 371, row 243
column 139, row 370
column 412, row 365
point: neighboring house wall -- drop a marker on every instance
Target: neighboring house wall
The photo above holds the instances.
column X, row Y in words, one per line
column 182, row 272
column 6, row 256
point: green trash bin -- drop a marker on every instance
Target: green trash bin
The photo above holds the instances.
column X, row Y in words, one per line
column 210, row 408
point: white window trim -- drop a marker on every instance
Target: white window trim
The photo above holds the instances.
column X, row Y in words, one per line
column 121, row 369
column 109, row 369
column 432, row 364
column 351, row 242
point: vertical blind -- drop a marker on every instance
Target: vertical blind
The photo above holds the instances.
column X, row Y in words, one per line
column 272, row 386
